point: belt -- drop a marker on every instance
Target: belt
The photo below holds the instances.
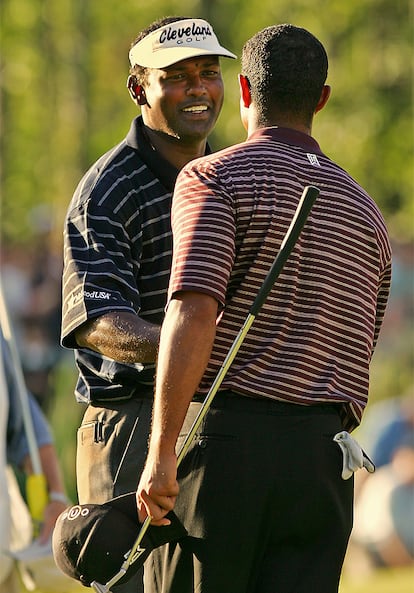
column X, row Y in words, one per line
column 237, row 401
column 140, row 392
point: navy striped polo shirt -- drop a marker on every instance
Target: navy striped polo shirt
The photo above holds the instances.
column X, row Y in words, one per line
column 117, row 256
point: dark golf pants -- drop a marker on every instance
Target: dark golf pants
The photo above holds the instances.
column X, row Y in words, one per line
column 263, row 501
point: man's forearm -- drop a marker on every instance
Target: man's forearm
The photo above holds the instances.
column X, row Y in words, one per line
column 124, row 337
column 187, row 338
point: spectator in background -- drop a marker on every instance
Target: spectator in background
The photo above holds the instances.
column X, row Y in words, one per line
column 14, row 452
column 32, row 286
column 391, row 423
column 383, row 533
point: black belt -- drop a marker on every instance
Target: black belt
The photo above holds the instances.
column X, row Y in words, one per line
column 140, row 392
column 237, row 401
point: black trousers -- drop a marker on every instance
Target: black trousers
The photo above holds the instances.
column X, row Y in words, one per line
column 111, row 451
column 262, row 498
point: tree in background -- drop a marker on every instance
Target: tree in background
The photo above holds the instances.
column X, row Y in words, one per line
column 63, row 96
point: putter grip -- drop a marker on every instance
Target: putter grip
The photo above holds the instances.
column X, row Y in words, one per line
column 37, row 499
column 309, row 195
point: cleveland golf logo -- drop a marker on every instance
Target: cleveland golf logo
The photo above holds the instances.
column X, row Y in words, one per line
column 187, row 34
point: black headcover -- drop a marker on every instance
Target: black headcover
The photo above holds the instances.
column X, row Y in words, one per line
column 91, row 541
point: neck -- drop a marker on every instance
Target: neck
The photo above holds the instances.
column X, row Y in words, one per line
column 280, row 121
column 176, row 151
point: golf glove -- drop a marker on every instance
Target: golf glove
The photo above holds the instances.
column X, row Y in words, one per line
column 354, row 457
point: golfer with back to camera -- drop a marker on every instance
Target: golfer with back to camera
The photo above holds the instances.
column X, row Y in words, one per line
column 117, row 251
column 260, row 491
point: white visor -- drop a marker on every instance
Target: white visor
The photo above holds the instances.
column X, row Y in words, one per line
column 177, row 41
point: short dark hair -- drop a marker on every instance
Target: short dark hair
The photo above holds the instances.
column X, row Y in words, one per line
column 286, row 67
column 138, row 71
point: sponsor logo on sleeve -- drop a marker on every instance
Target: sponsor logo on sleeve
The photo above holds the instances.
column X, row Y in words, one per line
column 81, row 295
column 97, row 294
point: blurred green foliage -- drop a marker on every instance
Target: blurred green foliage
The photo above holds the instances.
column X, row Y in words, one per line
column 63, row 99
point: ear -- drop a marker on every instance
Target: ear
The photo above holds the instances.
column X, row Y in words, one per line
column 325, row 94
column 245, row 95
column 136, row 90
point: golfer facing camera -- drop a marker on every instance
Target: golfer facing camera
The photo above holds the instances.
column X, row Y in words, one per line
column 118, row 246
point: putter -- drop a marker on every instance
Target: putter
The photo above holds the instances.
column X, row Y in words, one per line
column 309, row 195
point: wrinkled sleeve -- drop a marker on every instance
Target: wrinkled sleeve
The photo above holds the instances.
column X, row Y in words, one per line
column 98, row 275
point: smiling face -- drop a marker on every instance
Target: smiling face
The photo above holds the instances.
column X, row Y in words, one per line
column 184, row 100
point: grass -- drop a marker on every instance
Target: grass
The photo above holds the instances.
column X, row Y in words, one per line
column 379, row 581
column 397, row 580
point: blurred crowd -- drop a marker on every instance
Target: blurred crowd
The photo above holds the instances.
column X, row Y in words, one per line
column 32, row 489
column 383, row 534
column 32, row 285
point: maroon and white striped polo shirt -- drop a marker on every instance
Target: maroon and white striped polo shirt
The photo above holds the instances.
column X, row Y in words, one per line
column 313, row 340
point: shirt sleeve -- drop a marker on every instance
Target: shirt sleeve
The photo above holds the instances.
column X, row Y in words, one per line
column 383, row 295
column 98, row 275
column 203, row 224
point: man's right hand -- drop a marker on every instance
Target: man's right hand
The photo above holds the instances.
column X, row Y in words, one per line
column 158, row 488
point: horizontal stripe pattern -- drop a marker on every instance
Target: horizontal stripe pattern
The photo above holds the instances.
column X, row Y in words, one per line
column 117, row 240
column 314, row 337
column 117, row 257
